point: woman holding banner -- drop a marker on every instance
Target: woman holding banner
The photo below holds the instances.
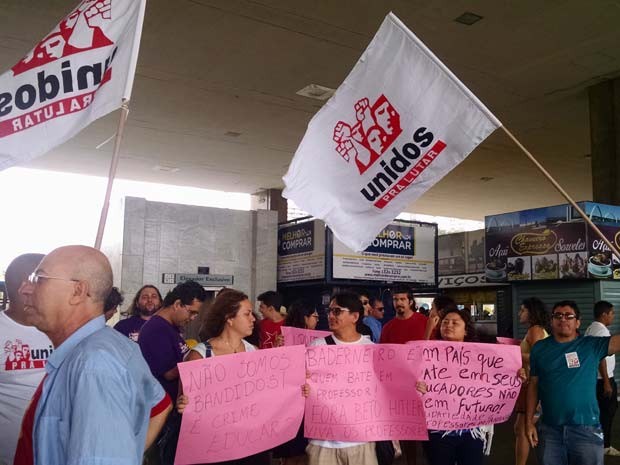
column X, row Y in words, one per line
column 438, row 308
column 461, row 447
column 301, row 314
column 534, row 314
column 227, row 322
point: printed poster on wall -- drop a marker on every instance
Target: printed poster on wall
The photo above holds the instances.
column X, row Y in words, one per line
column 401, row 252
column 301, row 251
column 451, row 254
column 537, row 244
column 552, row 243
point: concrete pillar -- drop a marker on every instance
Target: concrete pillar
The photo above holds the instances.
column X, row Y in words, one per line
column 604, row 100
column 271, row 199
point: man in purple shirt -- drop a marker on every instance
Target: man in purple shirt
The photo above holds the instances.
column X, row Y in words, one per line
column 146, row 302
column 160, row 338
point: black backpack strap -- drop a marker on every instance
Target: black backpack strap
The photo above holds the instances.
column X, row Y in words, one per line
column 329, row 340
column 209, row 351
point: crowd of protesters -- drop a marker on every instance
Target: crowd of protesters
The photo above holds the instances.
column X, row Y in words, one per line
column 74, row 391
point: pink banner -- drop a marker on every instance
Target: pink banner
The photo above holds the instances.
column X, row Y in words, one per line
column 509, row 341
column 469, row 384
column 363, row 393
column 240, row 404
column 296, row 336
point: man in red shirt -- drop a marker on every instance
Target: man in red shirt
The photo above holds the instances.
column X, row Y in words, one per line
column 408, row 325
column 271, row 324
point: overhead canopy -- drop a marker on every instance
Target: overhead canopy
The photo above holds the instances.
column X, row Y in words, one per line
column 215, row 104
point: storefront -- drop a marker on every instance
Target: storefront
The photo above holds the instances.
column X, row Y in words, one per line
column 552, row 254
column 462, row 277
column 313, row 263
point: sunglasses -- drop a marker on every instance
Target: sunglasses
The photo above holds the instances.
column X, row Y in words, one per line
column 564, row 316
column 336, row 311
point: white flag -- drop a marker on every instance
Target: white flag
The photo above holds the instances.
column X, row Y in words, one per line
column 398, row 123
column 78, row 73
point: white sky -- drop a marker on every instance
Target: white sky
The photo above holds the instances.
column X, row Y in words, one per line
column 42, row 210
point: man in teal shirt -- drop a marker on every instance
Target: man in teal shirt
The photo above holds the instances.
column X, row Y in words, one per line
column 563, row 370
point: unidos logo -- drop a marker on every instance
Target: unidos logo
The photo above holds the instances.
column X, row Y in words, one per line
column 19, row 356
column 367, row 141
column 52, row 85
column 79, row 31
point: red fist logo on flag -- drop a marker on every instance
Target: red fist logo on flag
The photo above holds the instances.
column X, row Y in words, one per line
column 79, row 31
column 377, row 127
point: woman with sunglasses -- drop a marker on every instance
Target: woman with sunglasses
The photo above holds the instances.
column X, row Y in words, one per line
column 460, row 447
column 344, row 316
column 533, row 314
column 301, row 314
column 227, row 322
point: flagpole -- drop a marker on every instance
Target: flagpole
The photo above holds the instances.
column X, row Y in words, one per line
column 112, row 173
column 563, row 192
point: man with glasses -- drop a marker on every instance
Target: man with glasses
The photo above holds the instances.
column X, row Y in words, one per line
column 343, row 315
column 160, row 338
column 562, row 373
column 97, row 391
column 163, row 348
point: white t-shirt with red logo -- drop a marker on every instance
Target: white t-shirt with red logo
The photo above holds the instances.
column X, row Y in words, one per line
column 23, row 353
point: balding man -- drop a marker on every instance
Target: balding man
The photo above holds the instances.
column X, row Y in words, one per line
column 23, row 353
column 93, row 406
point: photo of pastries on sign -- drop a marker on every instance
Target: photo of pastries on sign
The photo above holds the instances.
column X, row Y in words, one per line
column 573, row 265
column 546, row 267
column 495, row 270
column 599, row 265
column 519, row 268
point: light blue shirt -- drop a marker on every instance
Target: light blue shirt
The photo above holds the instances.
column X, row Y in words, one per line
column 96, row 401
column 375, row 327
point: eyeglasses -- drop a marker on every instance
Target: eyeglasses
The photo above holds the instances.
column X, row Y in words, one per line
column 337, row 310
column 191, row 312
column 564, row 316
column 34, row 278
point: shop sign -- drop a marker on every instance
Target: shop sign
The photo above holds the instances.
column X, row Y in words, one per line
column 465, row 280
column 301, row 251
column 551, row 243
column 206, row 280
column 402, row 252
